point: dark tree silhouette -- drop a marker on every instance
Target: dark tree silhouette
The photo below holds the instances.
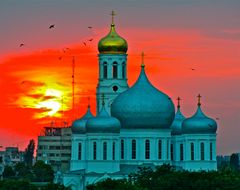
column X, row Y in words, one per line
column 43, row 172
column 29, row 151
column 8, row 172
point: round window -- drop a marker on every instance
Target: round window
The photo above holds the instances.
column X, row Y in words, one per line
column 115, row 88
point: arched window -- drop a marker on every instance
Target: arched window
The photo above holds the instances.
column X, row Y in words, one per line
column 192, row 151
column 113, row 151
column 133, row 149
column 171, row 151
column 202, row 151
column 94, row 150
column 181, row 152
column 211, row 151
column 147, row 149
column 115, row 70
column 123, row 70
column 105, row 70
column 105, row 151
column 122, row 149
column 80, row 151
column 159, row 149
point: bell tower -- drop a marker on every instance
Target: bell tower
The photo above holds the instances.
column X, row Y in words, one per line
column 112, row 79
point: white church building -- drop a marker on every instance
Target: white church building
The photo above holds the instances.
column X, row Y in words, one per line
column 135, row 126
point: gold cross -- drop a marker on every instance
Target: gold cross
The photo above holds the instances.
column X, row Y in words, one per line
column 199, row 99
column 113, row 14
column 178, row 99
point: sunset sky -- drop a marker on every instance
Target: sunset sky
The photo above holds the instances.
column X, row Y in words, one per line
column 176, row 36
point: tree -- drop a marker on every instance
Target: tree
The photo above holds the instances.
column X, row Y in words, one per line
column 110, row 184
column 8, row 172
column 23, row 171
column 52, row 186
column 16, row 184
column 29, row 151
column 42, row 172
column 234, row 161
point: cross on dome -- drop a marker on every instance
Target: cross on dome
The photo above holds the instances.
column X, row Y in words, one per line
column 113, row 14
column 88, row 102
column 178, row 100
column 142, row 65
column 199, row 99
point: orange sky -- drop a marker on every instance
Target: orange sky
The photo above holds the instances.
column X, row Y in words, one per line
column 36, row 83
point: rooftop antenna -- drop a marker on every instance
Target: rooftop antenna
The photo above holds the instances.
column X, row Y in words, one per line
column 73, row 83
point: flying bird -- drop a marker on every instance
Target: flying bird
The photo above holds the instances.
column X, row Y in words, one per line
column 65, row 49
column 90, row 27
column 21, row 45
column 192, row 69
column 84, row 43
column 51, row 26
column 90, row 40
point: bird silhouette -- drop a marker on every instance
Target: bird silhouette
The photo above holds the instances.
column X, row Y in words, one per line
column 51, row 26
column 65, row 49
column 21, row 45
column 192, row 69
column 90, row 27
column 84, row 43
column 90, row 40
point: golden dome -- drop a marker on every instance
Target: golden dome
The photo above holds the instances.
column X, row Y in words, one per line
column 112, row 43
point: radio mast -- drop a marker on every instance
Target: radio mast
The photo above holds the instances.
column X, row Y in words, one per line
column 73, row 84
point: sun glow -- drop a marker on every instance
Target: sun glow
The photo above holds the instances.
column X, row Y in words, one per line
column 52, row 105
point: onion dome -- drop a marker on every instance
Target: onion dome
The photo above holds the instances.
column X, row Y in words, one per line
column 103, row 123
column 143, row 106
column 79, row 125
column 199, row 123
column 112, row 43
column 177, row 122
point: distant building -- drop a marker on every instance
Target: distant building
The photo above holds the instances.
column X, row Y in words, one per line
column 223, row 160
column 54, row 147
column 11, row 156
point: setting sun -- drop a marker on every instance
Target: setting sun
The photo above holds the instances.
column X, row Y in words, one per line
column 52, row 105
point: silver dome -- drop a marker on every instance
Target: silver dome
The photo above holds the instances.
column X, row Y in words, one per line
column 199, row 123
column 79, row 125
column 143, row 106
column 177, row 122
column 103, row 123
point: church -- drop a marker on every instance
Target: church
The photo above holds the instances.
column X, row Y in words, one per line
column 135, row 126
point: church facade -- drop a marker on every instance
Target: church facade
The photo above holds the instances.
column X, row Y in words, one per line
column 136, row 126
